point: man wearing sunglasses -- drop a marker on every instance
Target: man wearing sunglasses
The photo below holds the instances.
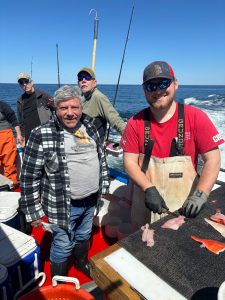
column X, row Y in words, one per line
column 32, row 107
column 97, row 105
column 161, row 146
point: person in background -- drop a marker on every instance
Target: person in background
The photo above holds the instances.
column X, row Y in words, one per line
column 33, row 107
column 161, row 145
column 97, row 105
column 8, row 148
column 65, row 166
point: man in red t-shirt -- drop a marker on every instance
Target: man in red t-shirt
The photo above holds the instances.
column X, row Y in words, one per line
column 192, row 134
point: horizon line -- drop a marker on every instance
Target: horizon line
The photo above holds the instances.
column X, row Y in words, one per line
column 114, row 84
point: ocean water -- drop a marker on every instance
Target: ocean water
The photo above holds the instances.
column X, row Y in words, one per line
column 130, row 99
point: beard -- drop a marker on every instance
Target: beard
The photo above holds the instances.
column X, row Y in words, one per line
column 161, row 106
column 160, row 101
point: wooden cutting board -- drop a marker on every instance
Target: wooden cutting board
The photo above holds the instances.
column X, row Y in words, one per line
column 140, row 277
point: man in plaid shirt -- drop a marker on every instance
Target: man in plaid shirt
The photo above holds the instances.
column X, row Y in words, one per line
column 63, row 176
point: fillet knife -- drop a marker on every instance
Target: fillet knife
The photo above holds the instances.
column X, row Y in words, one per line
column 167, row 211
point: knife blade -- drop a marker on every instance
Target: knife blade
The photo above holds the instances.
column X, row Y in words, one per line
column 167, row 211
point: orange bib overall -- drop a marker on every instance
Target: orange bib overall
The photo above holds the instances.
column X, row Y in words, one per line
column 8, row 153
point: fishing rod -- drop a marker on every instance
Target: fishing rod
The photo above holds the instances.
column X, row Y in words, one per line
column 57, row 56
column 96, row 22
column 121, row 66
column 31, row 67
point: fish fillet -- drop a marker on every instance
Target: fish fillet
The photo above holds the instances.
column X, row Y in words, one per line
column 218, row 217
column 147, row 235
column 145, row 232
column 219, row 227
column 212, row 245
column 174, row 223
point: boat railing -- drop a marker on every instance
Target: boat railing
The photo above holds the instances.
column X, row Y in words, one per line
column 218, row 181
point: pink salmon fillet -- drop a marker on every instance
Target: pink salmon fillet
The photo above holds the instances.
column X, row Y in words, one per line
column 212, row 245
column 174, row 223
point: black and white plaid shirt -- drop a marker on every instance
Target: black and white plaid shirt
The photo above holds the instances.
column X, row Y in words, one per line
column 45, row 182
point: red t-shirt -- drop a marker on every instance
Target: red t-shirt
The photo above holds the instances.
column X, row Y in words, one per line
column 200, row 134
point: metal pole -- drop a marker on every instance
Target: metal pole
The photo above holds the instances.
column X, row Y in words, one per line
column 57, row 55
column 31, row 67
column 96, row 22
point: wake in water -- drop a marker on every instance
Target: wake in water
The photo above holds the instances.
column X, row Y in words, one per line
column 214, row 107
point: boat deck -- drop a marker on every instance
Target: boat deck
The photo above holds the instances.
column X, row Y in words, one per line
column 98, row 243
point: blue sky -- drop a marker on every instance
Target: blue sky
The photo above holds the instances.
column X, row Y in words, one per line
column 190, row 35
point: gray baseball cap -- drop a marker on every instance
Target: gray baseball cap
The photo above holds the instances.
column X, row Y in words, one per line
column 158, row 69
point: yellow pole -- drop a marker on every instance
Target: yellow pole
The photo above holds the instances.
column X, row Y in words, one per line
column 95, row 38
column 93, row 55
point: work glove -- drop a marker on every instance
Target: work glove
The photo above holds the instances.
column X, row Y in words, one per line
column 154, row 201
column 194, row 204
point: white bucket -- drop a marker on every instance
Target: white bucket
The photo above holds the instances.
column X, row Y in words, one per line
column 9, row 203
column 124, row 230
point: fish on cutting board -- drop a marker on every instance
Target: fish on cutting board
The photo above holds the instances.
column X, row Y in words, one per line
column 212, row 245
column 174, row 223
column 218, row 217
column 147, row 235
column 217, row 226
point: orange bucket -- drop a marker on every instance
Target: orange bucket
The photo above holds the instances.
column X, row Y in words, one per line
column 59, row 291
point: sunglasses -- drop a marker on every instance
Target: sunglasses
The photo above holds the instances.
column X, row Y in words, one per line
column 23, row 81
column 152, row 86
column 86, row 77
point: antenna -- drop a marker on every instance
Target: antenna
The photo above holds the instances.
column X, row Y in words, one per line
column 31, row 67
column 57, row 56
column 95, row 38
column 121, row 66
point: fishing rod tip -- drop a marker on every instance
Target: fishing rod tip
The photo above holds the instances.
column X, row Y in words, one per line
column 96, row 14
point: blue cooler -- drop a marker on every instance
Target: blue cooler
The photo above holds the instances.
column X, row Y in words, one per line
column 20, row 255
column 4, row 284
column 9, row 204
